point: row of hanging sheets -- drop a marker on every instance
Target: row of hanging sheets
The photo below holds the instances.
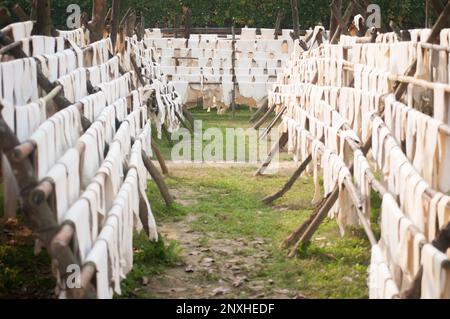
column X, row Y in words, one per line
column 207, row 58
column 408, row 149
column 98, row 176
column 168, row 101
column 246, row 34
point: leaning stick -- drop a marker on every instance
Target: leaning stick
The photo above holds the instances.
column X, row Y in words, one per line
column 274, row 121
column 159, row 180
column 159, row 156
column 261, row 111
column 271, row 198
column 275, row 149
column 265, row 117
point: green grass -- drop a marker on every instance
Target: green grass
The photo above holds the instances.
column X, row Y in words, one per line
column 213, row 120
column 232, row 208
column 228, row 205
column 149, row 259
column 22, row 274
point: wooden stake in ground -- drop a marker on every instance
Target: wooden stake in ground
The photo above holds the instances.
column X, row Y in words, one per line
column 319, row 216
column 265, row 117
column 299, row 171
column 298, row 233
column 159, row 156
column 159, row 180
column 305, row 232
column 275, row 149
column 274, row 121
column 260, row 111
column 188, row 116
column 333, row 18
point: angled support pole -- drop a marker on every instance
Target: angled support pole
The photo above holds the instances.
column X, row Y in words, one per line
column 275, row 150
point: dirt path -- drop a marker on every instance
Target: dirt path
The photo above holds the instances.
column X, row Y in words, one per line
column 213, row 268
column 226, row 242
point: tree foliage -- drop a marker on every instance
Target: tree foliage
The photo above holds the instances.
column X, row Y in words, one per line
column 253, row 13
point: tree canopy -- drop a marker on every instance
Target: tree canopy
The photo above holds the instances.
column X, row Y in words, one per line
column 252, row 13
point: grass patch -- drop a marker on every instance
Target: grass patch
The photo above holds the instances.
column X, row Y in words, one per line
column 149, row 259
column 230, row 207
column 22, row 274
column 221, row 122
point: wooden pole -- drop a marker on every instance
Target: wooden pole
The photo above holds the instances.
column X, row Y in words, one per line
column 159, row 180
column 187, row 25
column 341, row 25
column 298, row 233
column 275, row 149
column 17, row 9
column 274, row 121
column 233, row 71
column 262, row 109
column 4, row 16
column 43, row 24
column 140, row 30
column 441, row 23
column 319, row 217
column 188, row 116
column 333, row 17
column 97, row 24
column 160, row 158
column 298, row 172
column 265, row 117
column 280, row 17
column 114, row 22
column 295, row 21
column 130, row 24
